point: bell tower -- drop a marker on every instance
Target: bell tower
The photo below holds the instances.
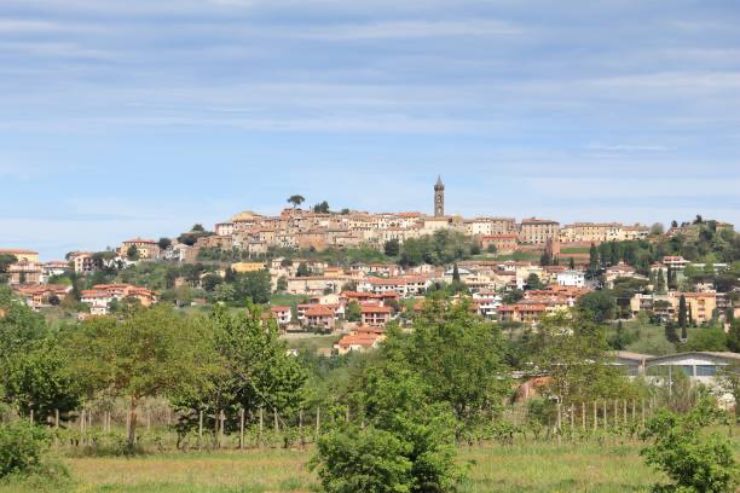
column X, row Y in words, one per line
column 439, row 198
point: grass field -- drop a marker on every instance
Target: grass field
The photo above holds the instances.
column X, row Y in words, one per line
column 529, row 467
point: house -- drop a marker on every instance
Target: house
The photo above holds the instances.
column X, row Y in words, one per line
column 504, row 243
column 83, row 262
column 42, row 296
column 535, row 231
column 699, row 366
column 572, row 278
column 24, row 272
column 21, row 254
column 404, row 286
column 522, row 312
column 100, row 297
column 146, row 249
column 375, row 315
column 283, row 315
column 361, row 340
column 320, row 316
column 53, row 268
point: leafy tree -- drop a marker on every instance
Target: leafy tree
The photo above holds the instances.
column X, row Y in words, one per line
column 660, row 282
column 21, row 447
column 594, row 266
column 303, row 270
column 574, row 352
column 694, row 461
column 164, row 243
column 392, row 248
column 296, row 200
column 147, row 353
column 407, row 445
column 251, row 369
column 533, row 282
column 600, row 305
column 132, row 253
column 733, row 337
column 708, row 339
column 198, row 228
column 39, row 381
column 6, row 261
column 670, row 332
column 354, row 311
column 321, row 207
column 282, row 284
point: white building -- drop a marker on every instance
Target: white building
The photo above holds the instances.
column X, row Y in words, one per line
column 572, row 278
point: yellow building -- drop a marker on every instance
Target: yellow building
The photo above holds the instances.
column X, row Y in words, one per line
column 21, row 254
column 244, row 267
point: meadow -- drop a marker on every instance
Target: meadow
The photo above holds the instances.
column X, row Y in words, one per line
column 529, row 466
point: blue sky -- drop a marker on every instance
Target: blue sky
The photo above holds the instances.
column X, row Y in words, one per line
column 145, row 116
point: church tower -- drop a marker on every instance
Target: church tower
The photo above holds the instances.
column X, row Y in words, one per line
column 439, row 198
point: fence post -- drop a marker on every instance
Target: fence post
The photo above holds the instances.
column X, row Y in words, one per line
column 221, row 422
column 56, row 419
column 300, row 426
column 572, row 419
column 596, row 416
column 606, row 419
column 318, row 421
column 200, row 429
column 30, row 416
column 583, row 416
column 624, row 412
column 241, row 429
column 642, row 411
column 262, row 424
column 634, row 408
column 276, row 425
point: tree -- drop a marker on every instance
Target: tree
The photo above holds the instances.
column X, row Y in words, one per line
column 39, row 381
column 392, row 248
column 282, row 284
column 6, row 261
column 407, row 445
column 354, row 311
column 594, row 266
column 321, row 207
column 251, row 369
column 533, row 282
column 674, row 224
column 571, row 263
column 670, row 332
column 132, row 253
column 148, row 352
column 296, row 200
column 733, row 337
column 198, row 228
column 164, row 243
column 660, row 282
column 657, row 229
column 455, row 273
column 302, row 270
column 694, row 461
column 683, row 313
column 599, row 305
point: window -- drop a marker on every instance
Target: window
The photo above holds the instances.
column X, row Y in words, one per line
column 706, row 370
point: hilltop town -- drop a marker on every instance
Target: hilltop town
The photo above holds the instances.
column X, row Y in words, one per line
column 353, row 272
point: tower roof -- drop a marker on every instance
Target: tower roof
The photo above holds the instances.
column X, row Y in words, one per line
column 439, row 183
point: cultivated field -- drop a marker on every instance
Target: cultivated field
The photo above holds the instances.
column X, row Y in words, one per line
column 527, row 467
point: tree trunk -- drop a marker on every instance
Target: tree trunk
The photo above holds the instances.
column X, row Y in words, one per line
column 132, row 422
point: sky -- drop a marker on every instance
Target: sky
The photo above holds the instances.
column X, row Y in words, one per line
column 143, row 117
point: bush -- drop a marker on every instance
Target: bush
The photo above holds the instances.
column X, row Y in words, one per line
column 21, row 446
column 695, row 462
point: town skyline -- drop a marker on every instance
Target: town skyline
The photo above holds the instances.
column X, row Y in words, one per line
column 185, row 110
column 432, row 210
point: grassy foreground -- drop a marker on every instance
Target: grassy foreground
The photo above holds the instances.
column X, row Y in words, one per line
column 529, row 467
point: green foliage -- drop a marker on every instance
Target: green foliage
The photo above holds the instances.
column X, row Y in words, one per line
column 322, row 207
column 533, row 282
column 132, row 253
column 574, row 352
column 706, row 339
column 392, row 248
column 353, row 312
column 21, row 447
column 296, row 200
column 443, row 247
column 693, row 460
column 250, row 369
column 146, row 353
column 38, row 380
column 409, row 439
column 733, row 337
column 599, row 305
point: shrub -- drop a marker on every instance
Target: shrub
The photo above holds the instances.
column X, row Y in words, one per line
column 695, row 462
column 21, row 446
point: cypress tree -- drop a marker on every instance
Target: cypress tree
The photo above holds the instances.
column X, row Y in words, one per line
column 682, row 313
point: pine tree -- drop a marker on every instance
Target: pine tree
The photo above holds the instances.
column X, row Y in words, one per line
column 455, row 274
column 571, row 263
column 670, row 332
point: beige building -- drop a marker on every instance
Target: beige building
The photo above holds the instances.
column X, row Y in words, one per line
column 147, row 249
column 535, row 231
column 21, row 254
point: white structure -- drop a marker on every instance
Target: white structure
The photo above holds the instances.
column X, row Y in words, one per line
column 572, row 278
